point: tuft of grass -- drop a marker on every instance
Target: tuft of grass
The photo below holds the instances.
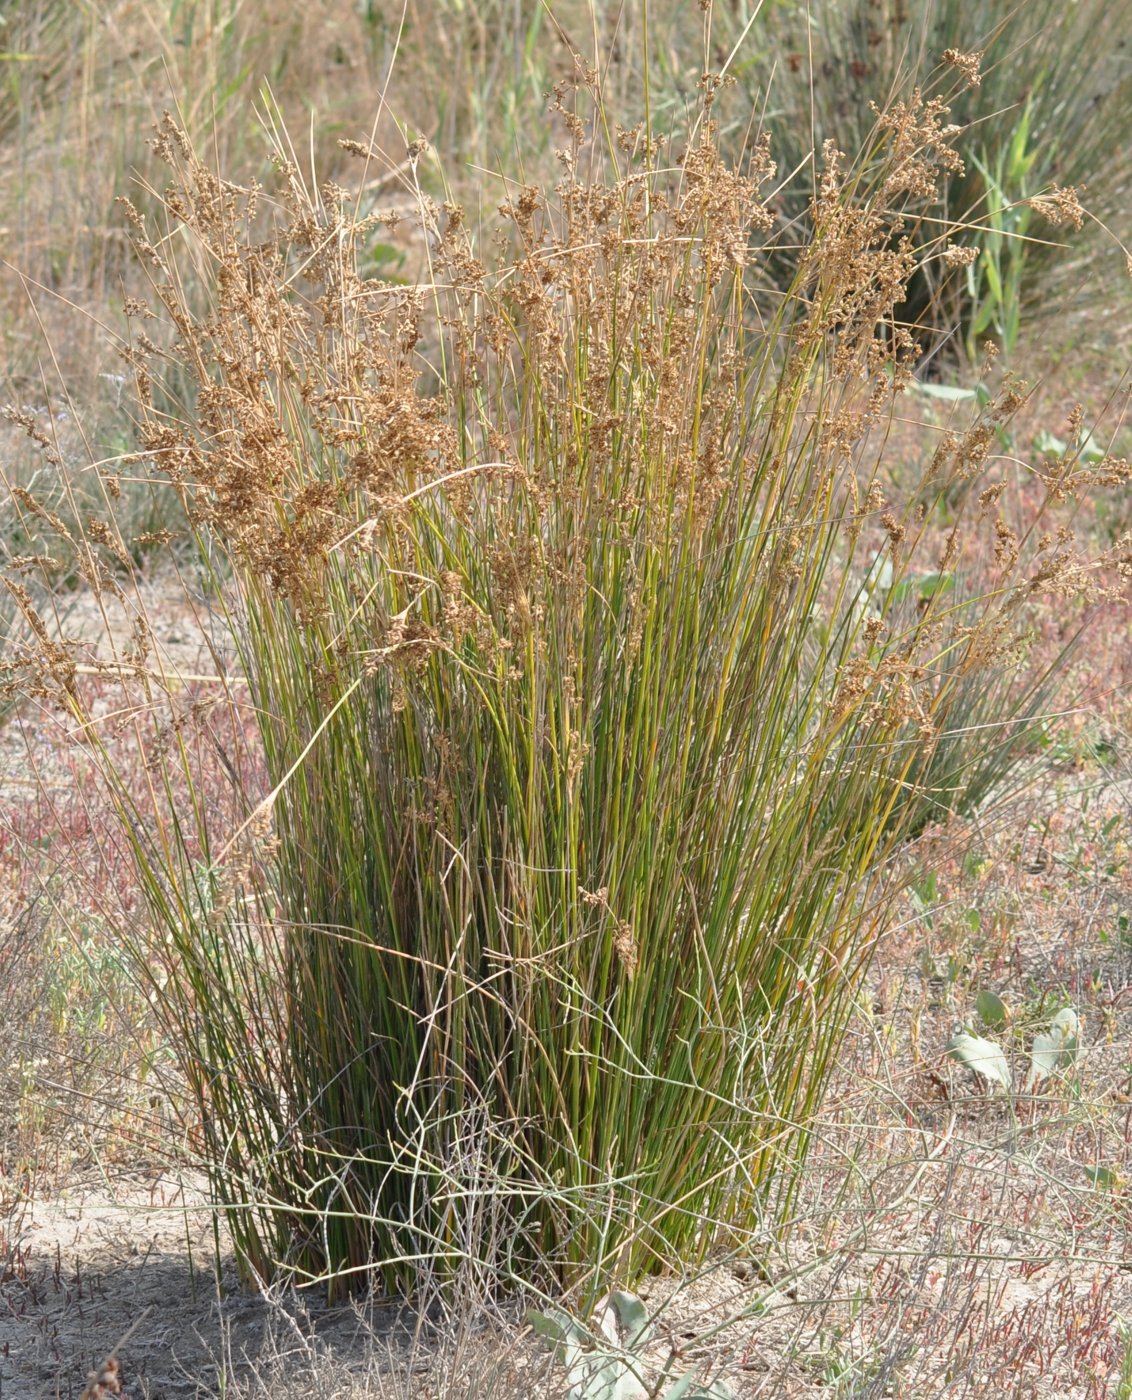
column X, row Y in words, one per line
column 584, row 766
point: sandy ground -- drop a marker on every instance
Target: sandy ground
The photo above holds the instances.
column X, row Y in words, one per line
column 134, row 1257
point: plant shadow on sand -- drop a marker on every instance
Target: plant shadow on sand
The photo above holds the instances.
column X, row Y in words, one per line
column 137, row 1256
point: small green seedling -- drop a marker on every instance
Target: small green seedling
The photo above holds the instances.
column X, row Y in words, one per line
column 1104, row 1178
column 992, row 1009
column 923, row 893
column 1053, row 1049
column 922, row 587
column 1088, row 450
column 605, row 1364
column 983, row 1058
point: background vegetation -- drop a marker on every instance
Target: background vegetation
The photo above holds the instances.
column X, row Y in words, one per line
column 1049, row 110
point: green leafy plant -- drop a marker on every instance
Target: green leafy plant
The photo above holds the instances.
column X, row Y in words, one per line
column 1087, row 449
column 997, row 278
column 992, row 1009
column 1120, row 935
column 1053, row 1049
column 983, row 1058
column 609, row 1365
column 923, row 892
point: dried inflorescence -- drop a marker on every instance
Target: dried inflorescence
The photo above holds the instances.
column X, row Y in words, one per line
column 105, row 1381
column 324, row 428
column 967, row 63
column 1059, row 206
column 957, row 255
column 316, row 440
column 597, row 265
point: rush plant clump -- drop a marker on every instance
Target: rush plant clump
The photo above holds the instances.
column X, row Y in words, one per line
column 583, row 762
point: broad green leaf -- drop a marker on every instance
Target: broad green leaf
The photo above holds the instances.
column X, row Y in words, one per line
column 933, row 584
column 596, row 1378
column 950, row 392
column 925, row 586
column 1045, row 1056
column 991, row 1008
column 1088, row 450
column 687, row 1388
column 605, row 1378
column 1066, row 1025
column 1104, row 1177
column 1049, row 444
column 559, row 1328
column 1056, row 1048
column 632, row 1318
column 683, row 1390
column 982, row 1057
column 556, row 1325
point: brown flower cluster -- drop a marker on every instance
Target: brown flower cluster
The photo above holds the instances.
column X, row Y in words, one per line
column 105, row 1381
